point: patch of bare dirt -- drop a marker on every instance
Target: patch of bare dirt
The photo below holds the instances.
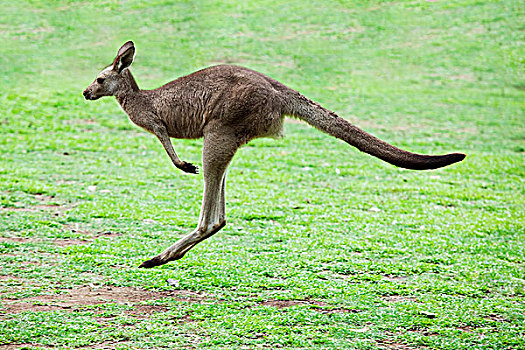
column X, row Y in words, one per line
column 142, row 311
column 496, row 317
column 394, row 278
column 32, row 209
column 44, row 206
column 108, row 345
column 338, row 310
column 467, row 329
column 107, row 234
column 11, row 284
column 280, row 304
column 139, row 311
column 399, row 298
column 76, row 228
column 23, row 346
column 422, row 330
column 15, row 239
column 319, row 306
column 83, row 296
column 65, row 242
column 52, row 260
column 61, row 242
column 392, row 345
column 185, row 319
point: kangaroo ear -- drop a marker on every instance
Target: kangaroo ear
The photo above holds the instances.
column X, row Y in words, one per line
column 124, row 57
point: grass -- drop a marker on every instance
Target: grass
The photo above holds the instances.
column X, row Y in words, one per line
column 326, row 247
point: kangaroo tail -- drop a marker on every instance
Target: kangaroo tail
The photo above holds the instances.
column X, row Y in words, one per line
column 327, row 121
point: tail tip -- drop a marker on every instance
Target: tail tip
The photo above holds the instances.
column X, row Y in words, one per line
column 444, row 160
column 457, row 157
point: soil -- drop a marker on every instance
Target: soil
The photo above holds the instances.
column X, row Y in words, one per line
column 399, row 298
column 388, row 345
column 280, row 304
column 73, row 298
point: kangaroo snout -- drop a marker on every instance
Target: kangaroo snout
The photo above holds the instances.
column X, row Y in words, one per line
column 87, row 94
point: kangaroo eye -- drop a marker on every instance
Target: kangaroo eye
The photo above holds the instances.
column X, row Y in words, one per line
column 100, row 80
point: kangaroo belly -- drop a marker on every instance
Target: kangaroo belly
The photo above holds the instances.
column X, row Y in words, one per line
column 185, row 127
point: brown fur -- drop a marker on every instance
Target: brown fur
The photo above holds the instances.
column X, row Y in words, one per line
column 228, row 106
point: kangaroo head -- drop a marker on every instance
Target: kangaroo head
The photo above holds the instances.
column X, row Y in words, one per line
column 113, row 81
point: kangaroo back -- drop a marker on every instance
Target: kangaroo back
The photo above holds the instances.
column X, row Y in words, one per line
column 327, row 121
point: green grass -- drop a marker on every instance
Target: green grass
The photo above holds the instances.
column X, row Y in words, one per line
column 325, row 247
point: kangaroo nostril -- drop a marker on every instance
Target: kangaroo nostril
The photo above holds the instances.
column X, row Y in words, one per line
column 86, row 94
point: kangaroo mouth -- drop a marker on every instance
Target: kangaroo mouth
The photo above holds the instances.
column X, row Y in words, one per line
column 88, row 96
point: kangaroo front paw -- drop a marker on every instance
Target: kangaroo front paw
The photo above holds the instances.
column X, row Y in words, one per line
column 189, row 168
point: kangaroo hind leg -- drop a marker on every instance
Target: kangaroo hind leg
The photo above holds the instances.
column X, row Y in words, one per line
column 218, row 150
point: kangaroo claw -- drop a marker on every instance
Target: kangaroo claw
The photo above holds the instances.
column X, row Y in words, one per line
column 189, row 168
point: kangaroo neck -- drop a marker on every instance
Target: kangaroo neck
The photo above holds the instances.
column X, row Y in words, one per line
column 129, row 94
column 130, row 80
column 129, row 87
column 126, row 100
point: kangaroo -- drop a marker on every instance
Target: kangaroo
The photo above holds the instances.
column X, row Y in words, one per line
column 228, row 106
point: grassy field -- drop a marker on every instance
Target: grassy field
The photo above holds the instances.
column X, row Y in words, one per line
column 325, row 247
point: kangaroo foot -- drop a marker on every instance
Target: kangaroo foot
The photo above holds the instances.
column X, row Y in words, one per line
column 148, row 264
column 161, row 260
column 177, row 251
column 174, row 252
